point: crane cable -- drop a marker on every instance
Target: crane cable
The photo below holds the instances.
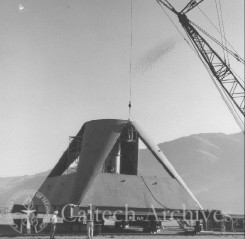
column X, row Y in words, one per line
column 234, row 52
column 130, row 61
column 230, row 106
column 178, row 30
column 221, row 27
column 238, row 58
column 216, row 41
column 222, row 93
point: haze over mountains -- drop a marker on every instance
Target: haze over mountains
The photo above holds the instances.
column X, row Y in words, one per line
column 212, row 165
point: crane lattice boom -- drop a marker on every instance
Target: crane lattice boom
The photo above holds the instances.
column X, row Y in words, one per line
column 220, row 70
column 218, row 67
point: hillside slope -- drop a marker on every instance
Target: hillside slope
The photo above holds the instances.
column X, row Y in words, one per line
column 212, row 165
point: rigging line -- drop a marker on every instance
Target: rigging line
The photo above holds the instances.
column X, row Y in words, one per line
column 239, row 58
column 219, row 89
column 226, row 99
column 165, row 207
column 198, row 54
column 217, row 42
column 230, row 107
column 239, row 77
column 236, row 115
column 130, row 61
column 170, row 19
column 220, row 26
column 142, row 177
column 233, row 111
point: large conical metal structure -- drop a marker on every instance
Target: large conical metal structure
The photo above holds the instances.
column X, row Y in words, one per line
column 107, row 175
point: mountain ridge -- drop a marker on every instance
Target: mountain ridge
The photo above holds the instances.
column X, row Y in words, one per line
column 211, row 164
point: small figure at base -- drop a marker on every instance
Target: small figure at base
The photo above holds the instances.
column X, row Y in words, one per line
column 53, row 221
column 90, row 224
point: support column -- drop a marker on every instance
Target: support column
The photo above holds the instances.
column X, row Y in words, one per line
column 118, row 159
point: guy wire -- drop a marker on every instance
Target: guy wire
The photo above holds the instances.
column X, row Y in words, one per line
column 130, row 61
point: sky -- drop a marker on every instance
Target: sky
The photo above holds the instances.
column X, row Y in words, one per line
column 65, row 62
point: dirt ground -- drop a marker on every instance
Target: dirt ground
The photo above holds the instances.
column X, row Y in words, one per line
column 137, row 237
